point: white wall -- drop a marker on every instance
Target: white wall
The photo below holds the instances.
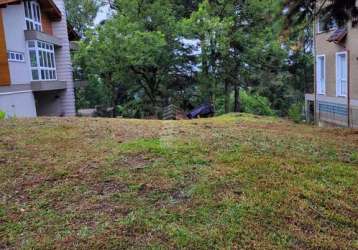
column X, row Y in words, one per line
column 63, row 61
column 14, row 25
column 20, row 104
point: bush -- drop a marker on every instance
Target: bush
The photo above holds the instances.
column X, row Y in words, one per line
column 2, row 115
column 295, row 112
column 255, row 104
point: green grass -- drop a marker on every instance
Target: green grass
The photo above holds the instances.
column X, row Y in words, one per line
column 230, row 182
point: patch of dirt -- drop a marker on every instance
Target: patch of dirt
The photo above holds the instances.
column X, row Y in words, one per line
column 145, row 188
column 179, row 196
column 109, row 187
column 106, row 207
column 136, row 161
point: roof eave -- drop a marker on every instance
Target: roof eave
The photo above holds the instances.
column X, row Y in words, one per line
column 47, row 6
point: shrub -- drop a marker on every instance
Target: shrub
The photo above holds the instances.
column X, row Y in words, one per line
column 295, row 112
column 255, row 104
column 2, row 115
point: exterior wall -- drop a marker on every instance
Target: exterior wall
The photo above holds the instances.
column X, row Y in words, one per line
column 19, row 104
column 4, row 65
column 329, row 50
column 22, row 103
column 63, row 61
column 333, row 110
column 14, row 23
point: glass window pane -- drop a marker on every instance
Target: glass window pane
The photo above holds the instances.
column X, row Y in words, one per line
column 46, row 74
column 321, row 61
column 30, row 10
column 31, row 44
column 35, row 75
column 33, row 58
column 52, row 60
column 45, row 58
column 26, row 10
column 49, row 60
column 38, row 13
column 41, row 59
column 42, row 74
column 344, row 67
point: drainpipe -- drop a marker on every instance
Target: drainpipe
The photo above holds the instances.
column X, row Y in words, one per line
column 348, row 89
column 315, row 70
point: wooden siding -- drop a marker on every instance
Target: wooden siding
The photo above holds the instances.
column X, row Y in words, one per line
column 5, row 2
column 46, row 24
column 47, row 5
column 4, row 65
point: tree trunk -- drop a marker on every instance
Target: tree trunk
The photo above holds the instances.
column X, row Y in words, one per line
column 227, row 97
column 114, row 101
column 237, row 104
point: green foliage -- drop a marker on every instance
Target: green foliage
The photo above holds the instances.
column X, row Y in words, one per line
column 95, row 94
column 2, row 115
column 81, row 13
column 152, row 53
column 255, row 104
column 295, row 112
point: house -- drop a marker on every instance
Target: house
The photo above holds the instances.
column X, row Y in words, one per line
column 335, row 99
column 35, row 63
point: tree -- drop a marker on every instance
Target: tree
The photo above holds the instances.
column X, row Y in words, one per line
column 137, row 49
column 81, row 13
column 152, row 53
column 341, row 10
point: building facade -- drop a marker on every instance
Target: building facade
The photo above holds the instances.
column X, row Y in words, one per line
column 335, row 101
column 35, row 63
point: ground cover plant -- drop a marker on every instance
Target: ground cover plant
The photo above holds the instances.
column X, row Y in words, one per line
column 230, row 182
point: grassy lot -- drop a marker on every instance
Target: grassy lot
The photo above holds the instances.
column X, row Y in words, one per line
column 233, row 182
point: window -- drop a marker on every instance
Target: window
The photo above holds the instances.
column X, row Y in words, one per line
column 321, row 74
column 33, row 15
column 42, row 60
column 341, row 74
column 325, row 26
column 13, row 56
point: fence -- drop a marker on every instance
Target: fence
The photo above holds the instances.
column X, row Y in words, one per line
column 337, row 114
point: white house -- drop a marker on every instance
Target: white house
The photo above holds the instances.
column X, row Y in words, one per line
column 35, row 63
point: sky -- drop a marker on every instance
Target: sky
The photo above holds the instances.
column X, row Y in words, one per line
column 102, row 14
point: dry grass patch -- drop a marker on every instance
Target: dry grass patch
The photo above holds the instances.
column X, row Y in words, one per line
column 230, row 182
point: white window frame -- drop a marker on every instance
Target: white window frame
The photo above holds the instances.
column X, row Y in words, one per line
column 14, row 56
column 319, row 31
column 321, row 85
column 340, row 92
column 45, row 60
column 33, row 15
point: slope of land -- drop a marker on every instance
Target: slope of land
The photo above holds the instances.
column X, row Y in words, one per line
column 236, row 181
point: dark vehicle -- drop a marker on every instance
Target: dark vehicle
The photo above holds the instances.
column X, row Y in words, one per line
column 204, row 110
